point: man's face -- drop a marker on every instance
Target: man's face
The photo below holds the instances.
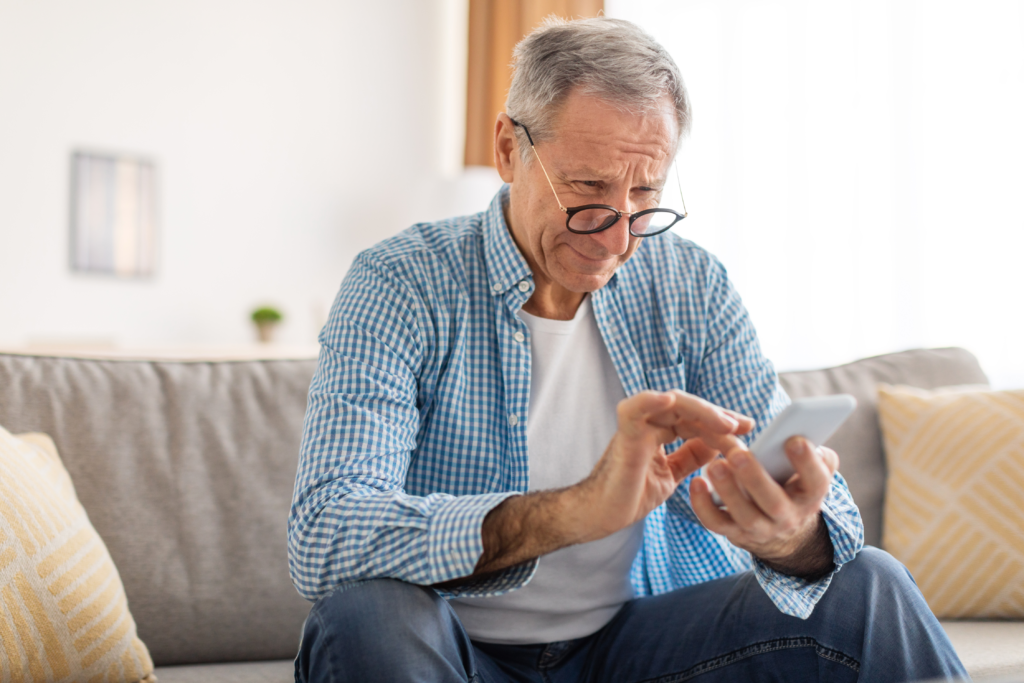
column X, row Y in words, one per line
column 598, row 155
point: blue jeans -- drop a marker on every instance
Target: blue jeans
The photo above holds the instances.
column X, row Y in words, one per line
column 872, row 625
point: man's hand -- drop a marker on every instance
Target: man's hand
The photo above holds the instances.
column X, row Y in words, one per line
column 781, row 525
column 634, row 476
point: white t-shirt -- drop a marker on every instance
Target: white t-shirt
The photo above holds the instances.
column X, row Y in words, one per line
column 574, row 390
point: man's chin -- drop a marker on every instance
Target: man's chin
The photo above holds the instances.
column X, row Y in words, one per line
column 584, row 283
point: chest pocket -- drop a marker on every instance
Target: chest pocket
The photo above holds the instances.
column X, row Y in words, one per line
column 667, row 378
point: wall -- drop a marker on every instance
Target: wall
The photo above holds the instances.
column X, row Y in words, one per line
column 288, row 136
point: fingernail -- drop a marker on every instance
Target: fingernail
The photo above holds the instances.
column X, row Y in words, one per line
column 717, row 471
column 731, row 421
column 740, row 460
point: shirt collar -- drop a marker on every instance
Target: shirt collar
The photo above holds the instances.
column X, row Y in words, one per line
column 506, row 266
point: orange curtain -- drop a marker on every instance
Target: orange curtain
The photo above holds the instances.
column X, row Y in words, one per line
column 495, row 26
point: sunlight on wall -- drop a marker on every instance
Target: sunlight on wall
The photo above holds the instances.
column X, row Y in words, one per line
column 857, row 167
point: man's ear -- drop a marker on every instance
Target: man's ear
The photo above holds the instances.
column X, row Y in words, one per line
column 506, row 148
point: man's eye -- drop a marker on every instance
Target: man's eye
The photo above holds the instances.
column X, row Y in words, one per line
column 589, row 183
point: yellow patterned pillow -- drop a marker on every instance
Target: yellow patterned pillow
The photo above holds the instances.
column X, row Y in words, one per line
column 954, row 498
column 63, row 611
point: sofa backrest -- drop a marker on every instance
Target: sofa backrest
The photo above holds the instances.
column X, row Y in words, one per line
column 186, row 470
column 859, row 441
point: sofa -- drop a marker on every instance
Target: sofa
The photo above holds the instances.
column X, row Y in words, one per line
column 185, row 465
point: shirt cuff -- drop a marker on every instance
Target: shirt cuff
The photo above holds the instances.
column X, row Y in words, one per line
column 456, row 543
column 797, row 597
column 793, row 596
column 845, row 527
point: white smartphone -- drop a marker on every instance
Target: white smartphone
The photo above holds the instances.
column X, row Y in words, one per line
column 815, row 418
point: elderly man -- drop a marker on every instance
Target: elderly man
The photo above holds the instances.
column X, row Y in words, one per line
column 496, row 475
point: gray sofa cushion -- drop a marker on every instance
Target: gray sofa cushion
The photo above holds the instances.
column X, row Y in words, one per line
column 186, row 470
column 987, row 648
column 859, row 441
column 282, row 671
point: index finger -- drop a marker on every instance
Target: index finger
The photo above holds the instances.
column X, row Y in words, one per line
column 695, row 416
column 745, row 421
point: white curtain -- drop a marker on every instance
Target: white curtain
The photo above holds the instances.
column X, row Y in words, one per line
column 859, row 168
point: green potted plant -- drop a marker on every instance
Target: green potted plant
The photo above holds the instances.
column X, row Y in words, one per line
column 267, row 319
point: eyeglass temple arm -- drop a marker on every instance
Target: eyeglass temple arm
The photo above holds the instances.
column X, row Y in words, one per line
column 680, row 184
column 534, row 148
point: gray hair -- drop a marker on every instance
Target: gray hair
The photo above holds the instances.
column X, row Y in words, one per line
column 611, row 58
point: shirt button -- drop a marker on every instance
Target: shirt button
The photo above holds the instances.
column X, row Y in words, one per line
column 524, row 286
column 519, row 336
column 497, row 287
column 513, row 419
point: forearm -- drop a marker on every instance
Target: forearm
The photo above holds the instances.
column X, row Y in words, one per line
column 812, row 560
column 524, row 527
column 528, row 526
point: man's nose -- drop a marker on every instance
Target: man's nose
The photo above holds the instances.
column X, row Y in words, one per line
column 615, row 240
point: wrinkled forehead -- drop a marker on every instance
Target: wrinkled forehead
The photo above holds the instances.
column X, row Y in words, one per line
column 654, row 128
column 595, row 138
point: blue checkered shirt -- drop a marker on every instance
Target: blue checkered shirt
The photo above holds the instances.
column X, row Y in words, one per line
column 416, row 422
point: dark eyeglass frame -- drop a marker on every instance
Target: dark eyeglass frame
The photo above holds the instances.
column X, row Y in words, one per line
column 573, row 210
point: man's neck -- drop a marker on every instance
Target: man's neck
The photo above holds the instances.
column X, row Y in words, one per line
column 553, row 302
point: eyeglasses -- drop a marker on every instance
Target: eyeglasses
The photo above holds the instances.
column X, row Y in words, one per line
column 591, row 218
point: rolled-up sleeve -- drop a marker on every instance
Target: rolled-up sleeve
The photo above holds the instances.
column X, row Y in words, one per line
column 351, row 518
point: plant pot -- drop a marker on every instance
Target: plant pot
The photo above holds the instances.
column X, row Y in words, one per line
column 265, row 330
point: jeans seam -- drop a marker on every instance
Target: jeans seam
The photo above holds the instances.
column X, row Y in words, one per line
column 837, row 657
column 330, row 651
column 763, row 647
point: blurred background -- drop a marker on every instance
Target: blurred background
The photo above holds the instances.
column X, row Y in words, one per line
column 858, row 166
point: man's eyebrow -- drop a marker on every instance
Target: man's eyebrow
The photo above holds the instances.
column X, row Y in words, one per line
column 587, row 173
column 582, row 173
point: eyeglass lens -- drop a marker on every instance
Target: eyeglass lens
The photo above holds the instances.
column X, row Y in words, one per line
column 594, row 220
column 653, row 222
